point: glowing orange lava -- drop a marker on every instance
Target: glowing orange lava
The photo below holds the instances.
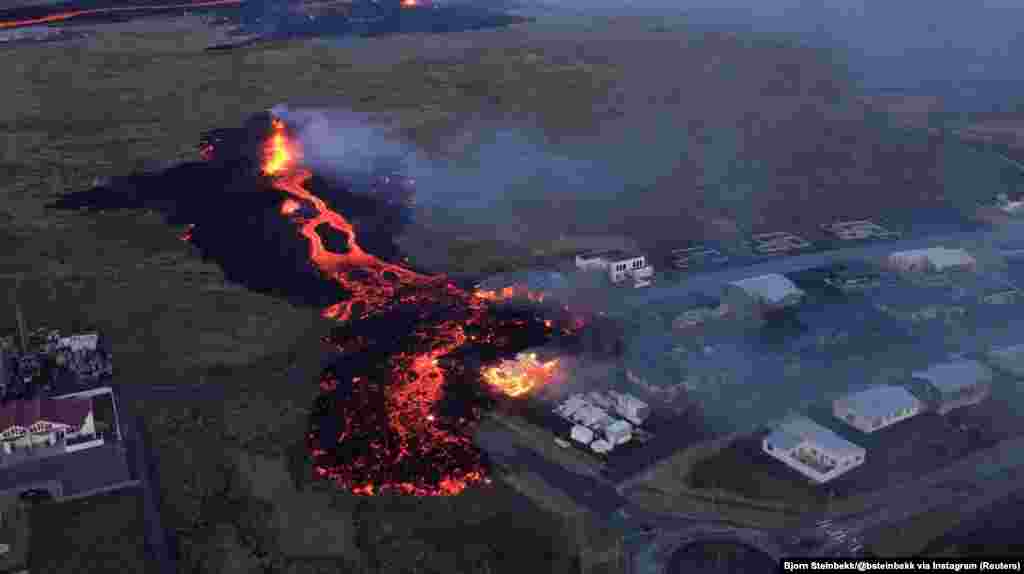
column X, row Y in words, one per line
column 62, row 16
column 510, row 293
column 376, row 285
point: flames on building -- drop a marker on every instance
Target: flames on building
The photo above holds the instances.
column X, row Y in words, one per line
column 522, row 375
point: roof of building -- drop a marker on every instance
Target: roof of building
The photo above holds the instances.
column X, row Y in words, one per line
column 25, row 413
column 880, row 401
column 611, row 254
column 772, row 287
column 940, row 257
column 796, row 430
column 950, row 377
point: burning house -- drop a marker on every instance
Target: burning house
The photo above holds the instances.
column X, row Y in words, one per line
column 621, row 266
column 522, row 375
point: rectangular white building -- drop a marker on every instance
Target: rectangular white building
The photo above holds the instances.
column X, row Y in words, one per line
column 812, row 450
column 932, row 259
column 620, row 265
column 876, row 408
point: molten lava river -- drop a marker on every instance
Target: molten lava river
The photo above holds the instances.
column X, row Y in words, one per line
column 389, row 425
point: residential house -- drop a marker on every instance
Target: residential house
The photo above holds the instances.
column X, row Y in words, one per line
column 812, row 450
column 957, row 384
column 876, row 408
column 619, row 265
column 38, row 422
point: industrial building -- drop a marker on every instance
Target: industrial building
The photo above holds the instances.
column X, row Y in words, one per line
column 619, row 265
column 764, row 293
column 957, row 384
column 812, row 450
column 876, row 408
column 932, row 259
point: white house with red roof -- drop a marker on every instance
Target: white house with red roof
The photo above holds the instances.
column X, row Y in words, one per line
column 44, row 422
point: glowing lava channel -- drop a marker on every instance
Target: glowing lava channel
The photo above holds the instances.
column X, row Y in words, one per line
column 417, row 381
column 70, row 14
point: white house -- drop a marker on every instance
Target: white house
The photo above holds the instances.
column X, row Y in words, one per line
column 772, row 291
column 620, row 265
column 958, row 384
column 812, row 450
column 935, row 259
column 876, row 408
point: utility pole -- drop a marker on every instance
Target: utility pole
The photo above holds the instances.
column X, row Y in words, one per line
column 19, row 317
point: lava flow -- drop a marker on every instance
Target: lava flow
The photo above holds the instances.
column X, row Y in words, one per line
column 391, row 433
column 70, row 14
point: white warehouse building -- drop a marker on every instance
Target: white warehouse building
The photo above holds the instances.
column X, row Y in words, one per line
column 620, row 265
column 876, row 408
column 812, row 450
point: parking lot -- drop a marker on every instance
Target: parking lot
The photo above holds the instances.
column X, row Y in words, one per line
column 78, row 472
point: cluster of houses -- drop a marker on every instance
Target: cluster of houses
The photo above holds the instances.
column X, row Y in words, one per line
column 822, row 455
column 603, row 420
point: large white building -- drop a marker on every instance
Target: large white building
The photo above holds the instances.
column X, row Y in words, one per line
column 772, row 291
column 876, row 408
column 933, row 259
column 958, row 383
column 812, row 450
column 619, row 265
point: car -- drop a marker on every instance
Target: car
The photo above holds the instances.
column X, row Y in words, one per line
column 35, row 495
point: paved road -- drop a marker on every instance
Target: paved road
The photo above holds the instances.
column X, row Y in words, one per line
column 143, row 466
column 711, row 281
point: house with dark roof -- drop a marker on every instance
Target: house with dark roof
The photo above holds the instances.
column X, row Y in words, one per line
column 39, row 422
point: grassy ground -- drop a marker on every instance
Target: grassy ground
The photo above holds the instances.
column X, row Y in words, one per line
column 99, row 534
